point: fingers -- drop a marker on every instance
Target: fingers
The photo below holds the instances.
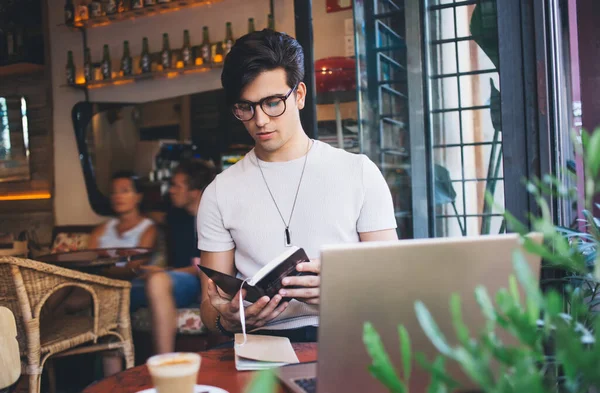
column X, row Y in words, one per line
column 314, row 266
column 270, row 311
column 254, row 309
column 300, row 293
column 314, row 300
column 269, row 308
column 281, row 308
column 302, row 281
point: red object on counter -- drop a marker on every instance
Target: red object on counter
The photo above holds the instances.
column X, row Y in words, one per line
column 335, row 74
column 338, row 5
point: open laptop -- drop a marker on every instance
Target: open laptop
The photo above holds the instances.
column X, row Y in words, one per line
column 380, row 282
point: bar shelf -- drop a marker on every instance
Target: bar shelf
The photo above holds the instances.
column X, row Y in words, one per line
column 157, row 9
column 154, row 75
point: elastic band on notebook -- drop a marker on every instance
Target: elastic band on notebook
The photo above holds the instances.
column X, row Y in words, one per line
column 242, row 316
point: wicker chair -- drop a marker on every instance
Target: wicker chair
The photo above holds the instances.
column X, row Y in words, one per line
column 25, row 285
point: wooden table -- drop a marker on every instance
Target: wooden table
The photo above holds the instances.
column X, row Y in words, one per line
column 217, row 369
column 95, row 258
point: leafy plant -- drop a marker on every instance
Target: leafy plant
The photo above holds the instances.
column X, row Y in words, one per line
column 522, row 367
column 556, row 331
column 569, row 249
column 264, row 381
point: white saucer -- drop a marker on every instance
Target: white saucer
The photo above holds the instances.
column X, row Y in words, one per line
column 198, row 389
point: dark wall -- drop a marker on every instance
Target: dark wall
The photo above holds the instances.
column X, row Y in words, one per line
column 214, row 128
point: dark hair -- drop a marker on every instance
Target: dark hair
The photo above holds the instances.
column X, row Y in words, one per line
column 128, row 175
column 257, row 52
column 199, row 174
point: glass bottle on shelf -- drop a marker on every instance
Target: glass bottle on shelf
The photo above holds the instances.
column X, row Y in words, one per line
column 88, row 68
column 126, row 62
column 205, row 48
column 11, row 42
column 95, row 9
column 271, row 22
column 123, row 5
column 186, row 51
column 20, row 43
column 106, row 65
column 83, row 12
column 251, row 28
column 145, row 59
column 165, row 54
column 228, row 39
column 110, row 7
column 9, row 33
column 137, row 4
column 218, row 57
column 69, row 12
column 70, row 69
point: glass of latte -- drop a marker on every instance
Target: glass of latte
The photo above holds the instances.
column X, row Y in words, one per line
column 174, row 372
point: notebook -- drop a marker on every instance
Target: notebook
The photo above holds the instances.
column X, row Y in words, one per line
column 267, row 281
column 262, row 352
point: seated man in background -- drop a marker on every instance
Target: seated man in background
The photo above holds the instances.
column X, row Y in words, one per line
column 177, row 286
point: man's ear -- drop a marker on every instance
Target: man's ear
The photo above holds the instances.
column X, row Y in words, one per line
column 300, row 95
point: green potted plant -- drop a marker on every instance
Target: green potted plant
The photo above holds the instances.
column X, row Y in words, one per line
column 557, row 330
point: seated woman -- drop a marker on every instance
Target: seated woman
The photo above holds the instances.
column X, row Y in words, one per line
column 129, row 229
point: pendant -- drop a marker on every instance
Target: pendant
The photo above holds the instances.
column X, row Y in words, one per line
column 288, row 238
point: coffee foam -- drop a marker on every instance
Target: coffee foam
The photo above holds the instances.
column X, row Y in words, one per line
column 173, row 365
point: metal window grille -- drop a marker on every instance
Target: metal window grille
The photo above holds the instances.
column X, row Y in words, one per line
column 466, row 141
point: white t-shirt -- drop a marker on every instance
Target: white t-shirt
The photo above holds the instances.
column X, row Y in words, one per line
column 341, row 195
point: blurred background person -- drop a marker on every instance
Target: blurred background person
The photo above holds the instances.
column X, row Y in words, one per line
column 163, row 290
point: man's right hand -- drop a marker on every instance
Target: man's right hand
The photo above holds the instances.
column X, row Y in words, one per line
column 256, row 315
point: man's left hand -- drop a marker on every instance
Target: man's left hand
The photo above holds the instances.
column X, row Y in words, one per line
column 309, row 292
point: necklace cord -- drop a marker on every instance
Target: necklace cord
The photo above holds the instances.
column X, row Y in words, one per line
column 287, row 225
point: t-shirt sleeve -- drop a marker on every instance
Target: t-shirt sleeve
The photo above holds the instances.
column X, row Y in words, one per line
column 377, row 211
column 212, row 234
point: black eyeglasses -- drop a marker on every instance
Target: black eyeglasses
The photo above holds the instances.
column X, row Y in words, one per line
column 273, row 106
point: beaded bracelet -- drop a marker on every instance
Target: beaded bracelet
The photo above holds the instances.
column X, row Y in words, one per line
column 221, row 329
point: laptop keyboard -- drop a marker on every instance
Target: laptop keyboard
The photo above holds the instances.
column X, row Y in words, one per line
column 309, row 385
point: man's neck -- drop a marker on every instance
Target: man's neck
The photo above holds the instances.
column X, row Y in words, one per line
column 294, row 148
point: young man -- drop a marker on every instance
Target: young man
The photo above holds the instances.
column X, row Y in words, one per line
column 165, row 290
column 289, row 190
